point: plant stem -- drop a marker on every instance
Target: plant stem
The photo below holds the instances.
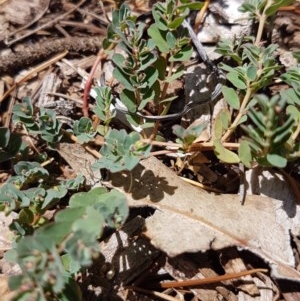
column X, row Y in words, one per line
column 162, row 111
column 262, row 20
column 240, row 114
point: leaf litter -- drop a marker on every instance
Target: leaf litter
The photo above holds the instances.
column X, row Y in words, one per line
column 185, row 222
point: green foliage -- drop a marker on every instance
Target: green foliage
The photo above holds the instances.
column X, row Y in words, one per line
column 103, row 110
column 256, row 70
column 187, row 136
column 223, row 154
column 147, row 59
column 269, row 7
column 122, row 151
column 270, row 126
column 43, row 122
column 83, row 129
column 10, row 144
column 73, row 235
column 268, row 136
column 147, row 53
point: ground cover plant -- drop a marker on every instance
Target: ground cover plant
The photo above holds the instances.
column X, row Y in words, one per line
column 148, row 57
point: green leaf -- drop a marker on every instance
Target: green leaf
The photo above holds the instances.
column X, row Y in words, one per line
column 277, row 160
column 252, row 72
column 195, row 5
column 243, row 119
column 123, row 78
column 146, row 61
column 221, row 123
column 290, row 96
column 161, row 67
column 231, row 97
column 293, row 111
column 26, row 216
column 159, row 38
column 235, row 78
column 149, row 96
column 53, row 195
column 84, row 199
column 176, row 23
column 151, row 76
column 53, row 233
column 224, row 154
column 91, row 223
column 171, row 39
column 157, row 13
column 245, row 153
column 183, row 55
column 4, row 137
column 83, row 125
column 258, row 119
column 10, row 144
column 128, row 99
column 277, row 4
column 119, row 60
column 114, row 208
column 121, row 151
column 70, row 264
column 178, row 130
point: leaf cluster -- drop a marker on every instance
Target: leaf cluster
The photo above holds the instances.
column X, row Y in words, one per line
column 186, row 137
column 150, row 57
column 51, row 256
column 43, row 122
column 30, row 192
column 268, row 139
column 122, row 151
column 269, row 125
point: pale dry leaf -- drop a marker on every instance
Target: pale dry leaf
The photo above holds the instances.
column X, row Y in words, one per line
column 6, row 237
column 190, row 220
column 80, row 161
column 22, row 12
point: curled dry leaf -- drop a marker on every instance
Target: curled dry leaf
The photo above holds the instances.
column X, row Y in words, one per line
column 188, row 219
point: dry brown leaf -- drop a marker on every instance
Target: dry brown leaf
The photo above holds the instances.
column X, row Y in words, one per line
column 190, row 220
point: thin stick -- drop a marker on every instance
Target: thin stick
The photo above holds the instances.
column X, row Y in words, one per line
column 196, row 282
column 198, row 184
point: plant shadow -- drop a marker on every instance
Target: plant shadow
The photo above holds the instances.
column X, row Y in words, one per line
column 142, row 183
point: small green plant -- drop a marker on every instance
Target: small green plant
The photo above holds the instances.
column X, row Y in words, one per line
column 43, row 123
column 55, row 252
column 122, row 151
column 152, row 57
column 104, row 100
column 269, row 125
column 186, row 137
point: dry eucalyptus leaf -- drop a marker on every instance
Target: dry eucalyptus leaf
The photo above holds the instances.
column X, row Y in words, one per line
column 191, row 220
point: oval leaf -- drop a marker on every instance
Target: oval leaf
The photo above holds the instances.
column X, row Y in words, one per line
column 224, row 154
column 231, row 97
